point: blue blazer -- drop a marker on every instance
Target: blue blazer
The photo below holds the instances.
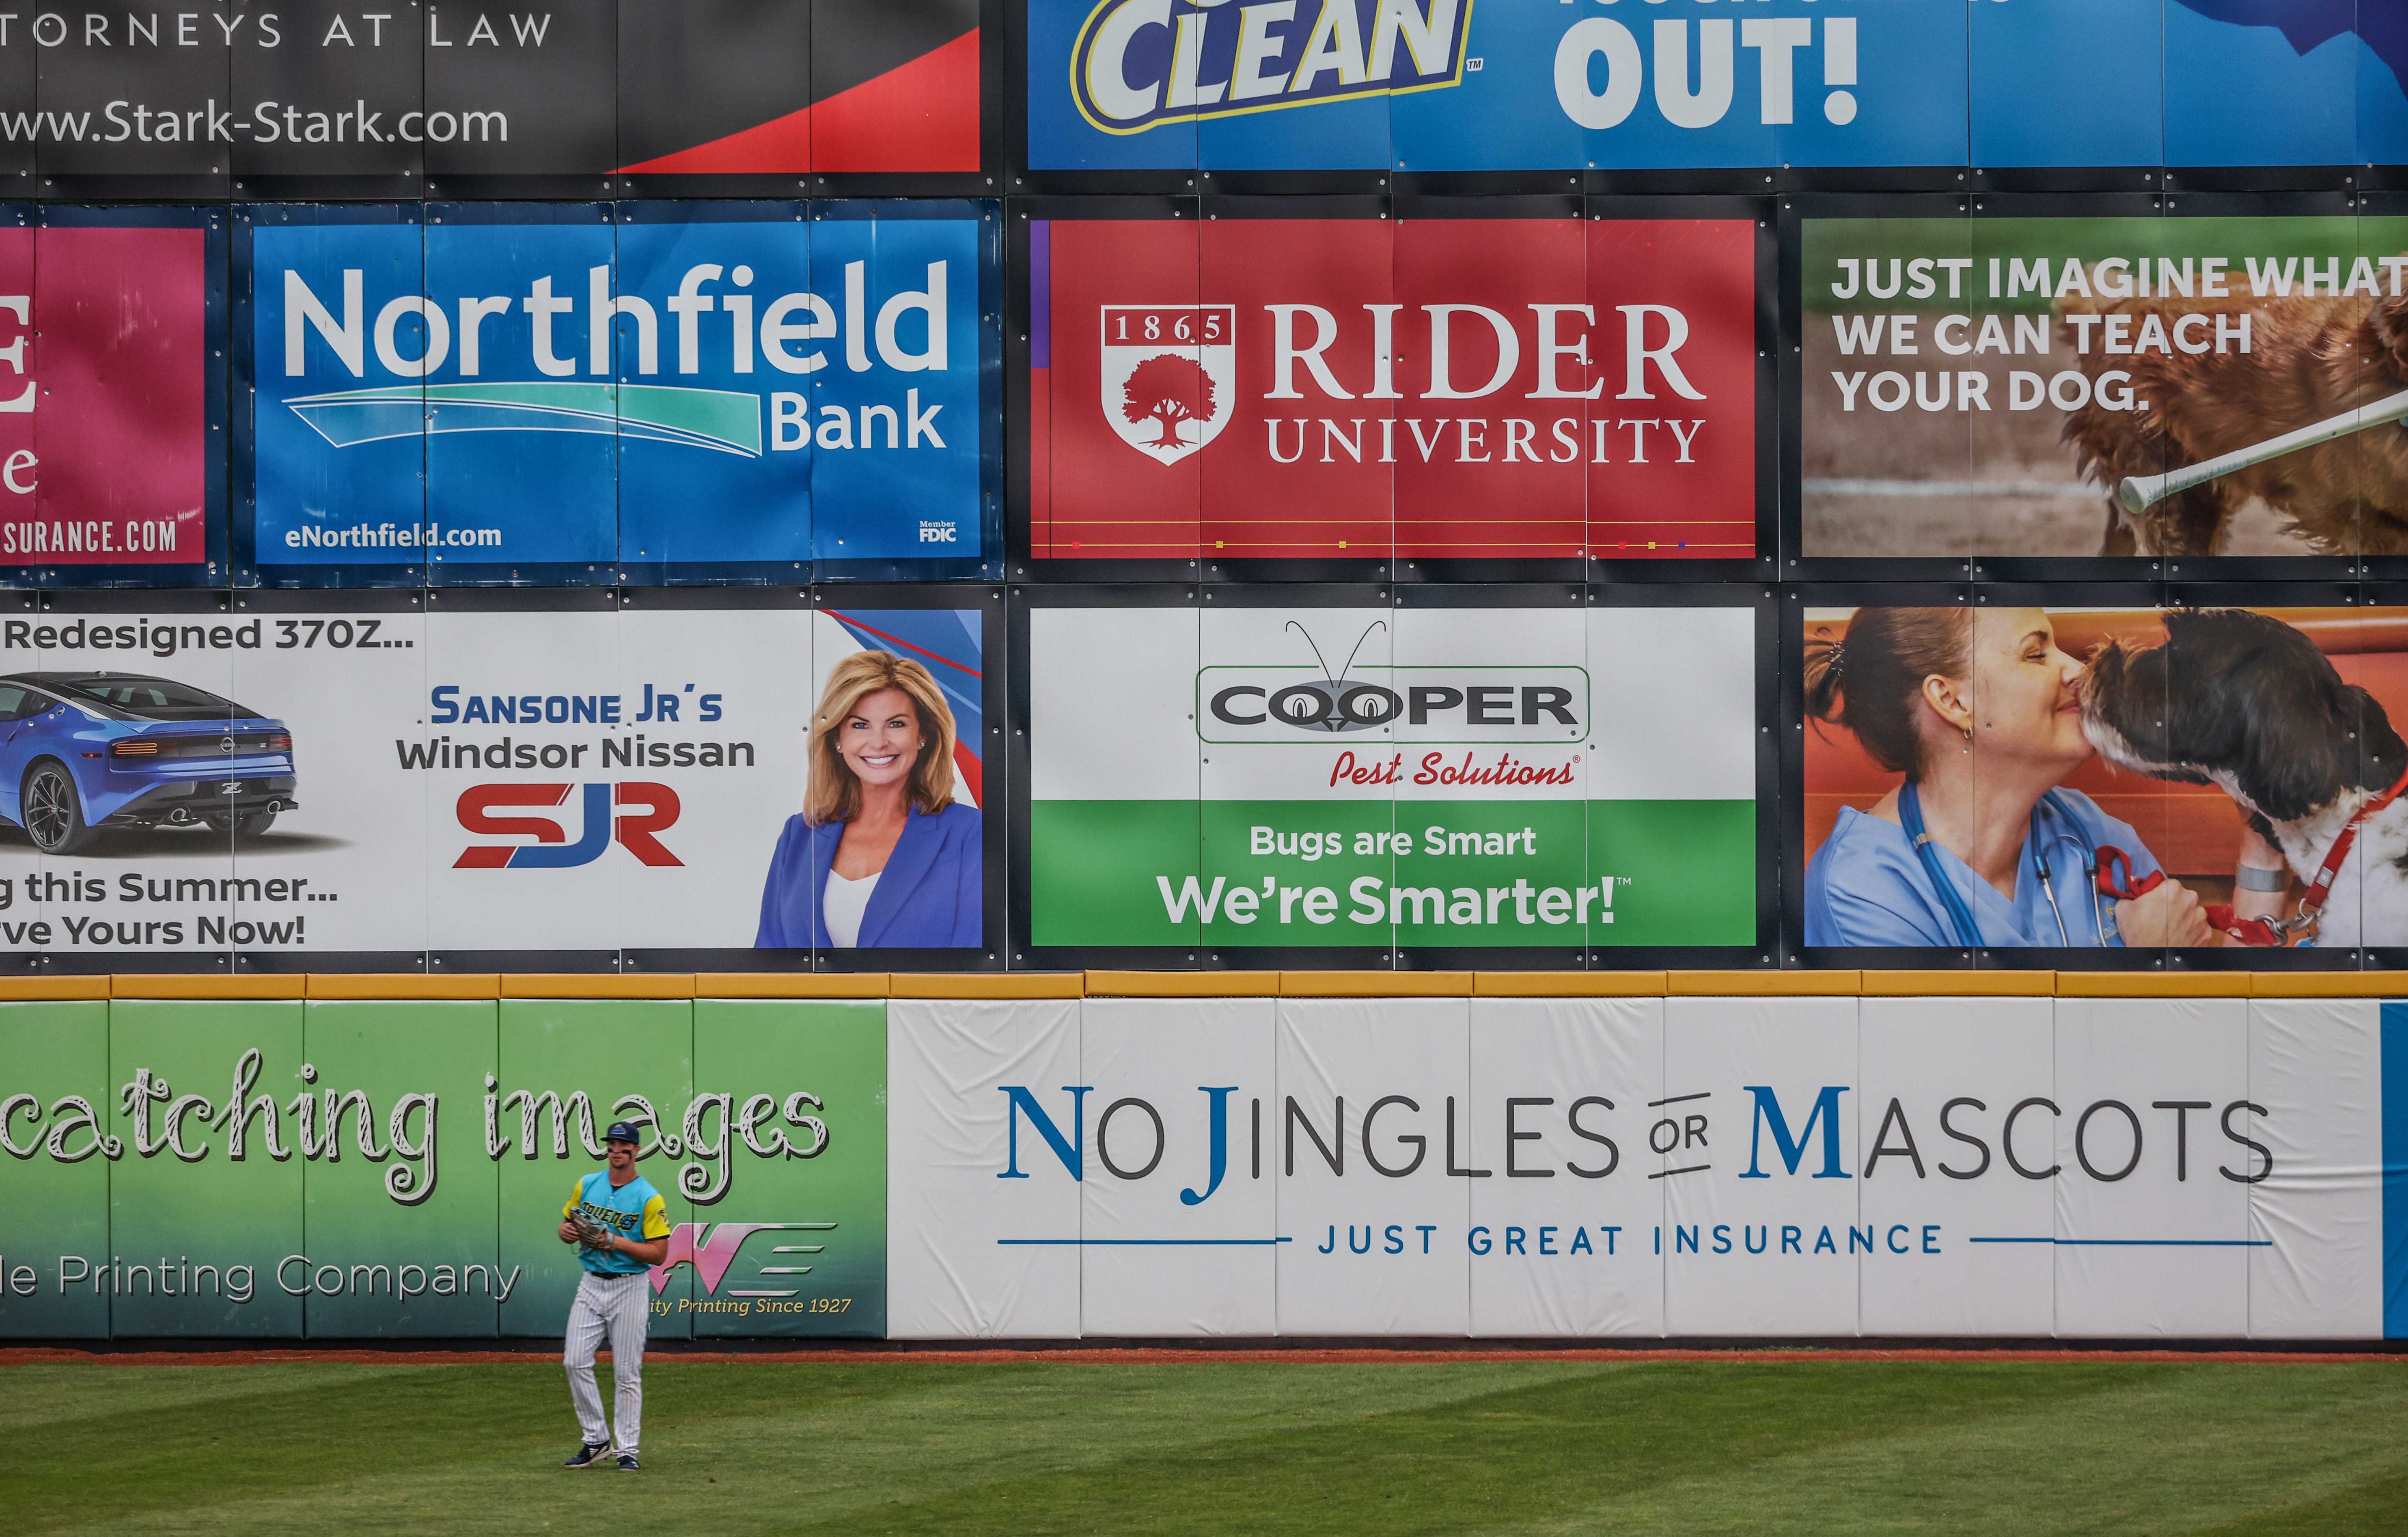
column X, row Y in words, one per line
column 931, row 894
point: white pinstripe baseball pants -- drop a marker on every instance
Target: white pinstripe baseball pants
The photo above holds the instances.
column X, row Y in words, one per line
column 617, row 1306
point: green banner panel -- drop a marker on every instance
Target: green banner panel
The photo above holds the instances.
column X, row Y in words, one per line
column 400, row 1238
column 568, row 1069
column 1463, row 872
column 1085, row 858
column 1682, row 871
column 793, row 1126
column 54, row 1095
column 205, row 1201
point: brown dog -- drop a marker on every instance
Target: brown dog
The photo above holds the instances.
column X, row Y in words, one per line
column 2308, row 359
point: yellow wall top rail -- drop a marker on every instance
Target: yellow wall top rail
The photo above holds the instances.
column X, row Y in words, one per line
column 1065, row 985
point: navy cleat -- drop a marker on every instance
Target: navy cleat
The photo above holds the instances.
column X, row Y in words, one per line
column 588, row 1456
column 627, row 1462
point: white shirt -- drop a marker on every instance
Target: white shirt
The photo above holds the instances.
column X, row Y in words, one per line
column 841, row 905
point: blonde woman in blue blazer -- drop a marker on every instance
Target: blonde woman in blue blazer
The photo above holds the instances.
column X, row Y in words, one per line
column 881, row 854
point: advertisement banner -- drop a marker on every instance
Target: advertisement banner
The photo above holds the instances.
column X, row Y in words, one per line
column 107, row 396
column 590, row 390
column 1301, row 388
column 2053, row 387
column 579, row 88
column 2181, row 777
column 1692, row 1167
column 480, row 781
column 1441, row 780
column 366, row 1169
column 1055, row 1168
column 1445, row 85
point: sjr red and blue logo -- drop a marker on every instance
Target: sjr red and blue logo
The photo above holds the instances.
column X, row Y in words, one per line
column 654, row 810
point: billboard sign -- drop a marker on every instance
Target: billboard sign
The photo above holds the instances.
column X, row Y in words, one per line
column 2098, row 386
column 366, row 1169
column 1287, row 778
column 1698, row 1168
column 292, row 782
column 503, row 388
column 1362, row 389
column 576, row 89
column 1448, row 85
column 106, row 453
column 2187, row 776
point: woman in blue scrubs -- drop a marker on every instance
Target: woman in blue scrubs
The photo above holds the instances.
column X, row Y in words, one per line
column 1983, row 714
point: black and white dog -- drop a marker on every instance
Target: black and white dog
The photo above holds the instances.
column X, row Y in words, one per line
column 2246, row 703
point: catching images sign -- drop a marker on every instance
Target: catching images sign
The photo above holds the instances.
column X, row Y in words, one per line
column 439, row 1143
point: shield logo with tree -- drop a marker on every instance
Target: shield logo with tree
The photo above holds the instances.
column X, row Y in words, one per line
column 1167, row 376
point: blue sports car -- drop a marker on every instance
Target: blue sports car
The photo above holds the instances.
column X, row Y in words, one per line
column 84, row 751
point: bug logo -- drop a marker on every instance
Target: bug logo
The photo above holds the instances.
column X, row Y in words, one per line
column 1169, row 375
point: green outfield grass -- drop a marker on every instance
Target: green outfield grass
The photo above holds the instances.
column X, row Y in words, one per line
column 1805, row 1445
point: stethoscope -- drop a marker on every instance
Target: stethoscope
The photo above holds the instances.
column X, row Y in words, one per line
column 1909, row 816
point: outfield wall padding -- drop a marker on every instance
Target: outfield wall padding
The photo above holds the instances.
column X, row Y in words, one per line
column 1665, row 1165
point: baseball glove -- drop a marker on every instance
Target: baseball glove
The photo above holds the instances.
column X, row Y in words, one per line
column 590, row 1233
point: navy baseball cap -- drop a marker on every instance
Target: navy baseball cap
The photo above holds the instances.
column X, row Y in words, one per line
column 622, row 1132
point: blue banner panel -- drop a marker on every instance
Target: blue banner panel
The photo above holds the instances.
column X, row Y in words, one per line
column 351, row 499
column 904, row 409
column 2069, row 83
column 520, row 412
column 1439, row 85
column 608, row 391
column 703, row 473
column 1448, row 85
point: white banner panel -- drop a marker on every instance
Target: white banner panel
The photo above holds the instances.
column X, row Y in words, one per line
column 1182, row 1202
column 1692, row 1167
column 491, row 783
column 2151, row 1238
column 1375, row 1138
column 1940, row 1078
column 1562, row 1233
column 353, row 853
column 1759, row 1186
column 2316, row 1199
column 985, row 1147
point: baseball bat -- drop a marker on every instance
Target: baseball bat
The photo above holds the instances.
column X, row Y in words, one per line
column 2139, row 492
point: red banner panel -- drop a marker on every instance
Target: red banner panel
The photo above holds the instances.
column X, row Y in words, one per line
column 1422, row 388
column 103, row 358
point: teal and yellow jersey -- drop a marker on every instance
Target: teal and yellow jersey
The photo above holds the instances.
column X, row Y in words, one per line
column 634, row 1210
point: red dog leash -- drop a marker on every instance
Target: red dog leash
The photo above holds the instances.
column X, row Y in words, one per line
column 2115, row 880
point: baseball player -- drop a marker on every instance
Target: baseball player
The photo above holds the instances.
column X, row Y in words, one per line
column 621, row 1227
